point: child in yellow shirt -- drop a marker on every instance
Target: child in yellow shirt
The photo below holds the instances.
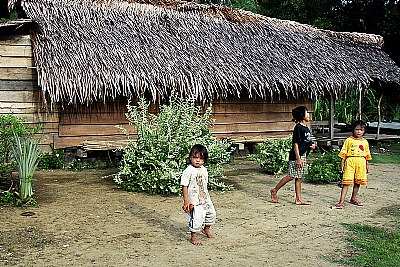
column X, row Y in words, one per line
column 355, row 155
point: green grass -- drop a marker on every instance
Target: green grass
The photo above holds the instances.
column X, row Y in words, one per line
column 386, row 158
column 376, row 247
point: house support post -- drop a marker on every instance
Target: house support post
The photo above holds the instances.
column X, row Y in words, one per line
column 379, row 117
column 331, row 117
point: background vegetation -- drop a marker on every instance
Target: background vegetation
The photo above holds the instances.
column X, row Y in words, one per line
column 155, row 161
column 272, row 155
column 14, row 134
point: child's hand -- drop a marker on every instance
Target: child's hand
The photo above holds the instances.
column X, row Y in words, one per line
column 313, row 146
column 299, row 163
column 187, row 207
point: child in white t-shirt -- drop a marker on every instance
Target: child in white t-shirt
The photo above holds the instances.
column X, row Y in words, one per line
column 196, row 198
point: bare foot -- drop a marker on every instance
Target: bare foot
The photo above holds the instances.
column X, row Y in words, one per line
column 274, row 196
column 302, row 202
column 195, row 241
column 208, row 234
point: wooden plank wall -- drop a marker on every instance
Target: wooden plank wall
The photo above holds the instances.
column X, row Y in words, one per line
column 97, row 123
column 249, row 120
column 243, row 120
column 19, row 93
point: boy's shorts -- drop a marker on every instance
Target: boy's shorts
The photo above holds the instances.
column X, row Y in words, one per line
column 202, row 214
column 295, row 172
column 355, row 171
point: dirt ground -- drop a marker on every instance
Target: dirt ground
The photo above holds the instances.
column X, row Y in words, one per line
column 84, row 220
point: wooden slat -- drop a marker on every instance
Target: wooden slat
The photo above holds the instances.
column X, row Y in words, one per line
column 253, row 127
column 16, row 61
column 24, row 105
column 18, row 74
column 251, row 117
column 30, row 96
column 17, row 85
column 22, row 40
column 16, row 51
column 253, row 137
column 94, row 118
column 31, row 113
column 92, row 130
column 253, row 108
column 64, row 142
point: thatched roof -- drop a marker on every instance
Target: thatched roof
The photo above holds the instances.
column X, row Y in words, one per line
column 89, row 51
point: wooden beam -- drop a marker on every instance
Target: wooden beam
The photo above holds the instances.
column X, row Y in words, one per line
column 332, row 118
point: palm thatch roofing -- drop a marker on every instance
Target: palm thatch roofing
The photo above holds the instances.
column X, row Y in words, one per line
column 87, row 51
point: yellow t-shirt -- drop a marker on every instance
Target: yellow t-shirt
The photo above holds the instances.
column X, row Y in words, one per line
column 355, row 148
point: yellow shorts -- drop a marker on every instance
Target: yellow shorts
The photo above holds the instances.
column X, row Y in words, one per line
column 355, row 171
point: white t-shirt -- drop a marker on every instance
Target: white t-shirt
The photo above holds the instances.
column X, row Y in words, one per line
column 196, row 180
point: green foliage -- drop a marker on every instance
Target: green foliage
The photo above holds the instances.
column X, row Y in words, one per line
column 325, row 168
column 26, row 153
column 76, row 165
column 273, row 155
column 376, row 246
column 6, row 197
column 53, row 160
column 249, row 5
column 155, row 161
column 11, row 127
column 347, row 107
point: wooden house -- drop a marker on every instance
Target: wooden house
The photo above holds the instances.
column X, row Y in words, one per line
column 84, row 60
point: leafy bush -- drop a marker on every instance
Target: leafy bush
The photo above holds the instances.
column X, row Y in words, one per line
column 6, row 197
column 325, row 168
column 53, row 160
column 273, row 155
column 155, row 161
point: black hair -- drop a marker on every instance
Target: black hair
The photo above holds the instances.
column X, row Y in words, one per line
column 201, row 150
column 358, row 123
column 299, row 113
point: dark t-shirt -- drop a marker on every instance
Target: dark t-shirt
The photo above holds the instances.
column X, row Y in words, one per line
column 301, row 136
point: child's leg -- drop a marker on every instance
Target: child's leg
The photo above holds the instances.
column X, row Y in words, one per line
column 297, row 186
column 193, row 239
column 356, row 187
column 274, row 191
column 207, row 232
column 343, row 193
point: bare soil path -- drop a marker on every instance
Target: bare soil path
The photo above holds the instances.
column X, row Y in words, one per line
column 84, row 220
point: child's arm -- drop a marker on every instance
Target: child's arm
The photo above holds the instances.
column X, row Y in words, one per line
column 367, row 166
column 342, row 164
column 186, row 203
column 297, row 153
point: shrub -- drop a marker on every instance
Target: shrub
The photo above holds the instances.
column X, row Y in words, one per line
column 325, row 168
column 273, row 155
column 156, row 160
column 53, row 160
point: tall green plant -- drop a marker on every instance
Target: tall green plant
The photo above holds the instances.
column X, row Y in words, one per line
column 26, row 152
column 273, row 155
column 155, row 161
column 10, row 125
column 347, row 107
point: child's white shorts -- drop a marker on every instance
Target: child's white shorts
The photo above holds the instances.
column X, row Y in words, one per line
column 202, row 214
